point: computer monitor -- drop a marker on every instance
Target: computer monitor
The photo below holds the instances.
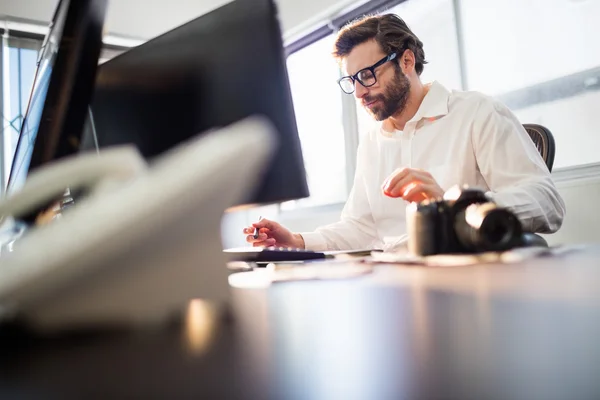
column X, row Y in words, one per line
column 213, row 71
column 62, row 88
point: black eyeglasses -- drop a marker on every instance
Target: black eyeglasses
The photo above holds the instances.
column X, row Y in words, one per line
column 365, row 76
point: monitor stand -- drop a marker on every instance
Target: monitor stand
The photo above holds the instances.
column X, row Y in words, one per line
column 141, row 244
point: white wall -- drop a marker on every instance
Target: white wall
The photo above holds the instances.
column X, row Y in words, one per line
column 580, row 189
column 146, row 19
column 512, row 44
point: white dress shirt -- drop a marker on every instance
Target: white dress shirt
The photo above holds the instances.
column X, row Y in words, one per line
column 463, row 138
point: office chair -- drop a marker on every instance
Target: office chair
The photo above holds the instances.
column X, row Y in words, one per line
column 544, row 141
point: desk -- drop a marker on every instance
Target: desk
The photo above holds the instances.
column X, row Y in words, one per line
column 528, row 331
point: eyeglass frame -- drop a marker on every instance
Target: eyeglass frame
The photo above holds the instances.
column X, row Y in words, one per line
column 372, row 68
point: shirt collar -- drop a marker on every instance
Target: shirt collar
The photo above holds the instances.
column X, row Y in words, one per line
column 434, row 104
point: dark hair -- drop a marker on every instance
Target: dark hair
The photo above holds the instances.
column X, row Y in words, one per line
column 389, row 30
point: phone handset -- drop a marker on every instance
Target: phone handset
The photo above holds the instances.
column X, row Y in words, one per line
column 89, row 171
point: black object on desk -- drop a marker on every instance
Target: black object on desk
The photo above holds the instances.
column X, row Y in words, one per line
column 273, row 254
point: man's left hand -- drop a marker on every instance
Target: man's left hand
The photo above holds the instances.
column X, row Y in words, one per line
column 412, row 185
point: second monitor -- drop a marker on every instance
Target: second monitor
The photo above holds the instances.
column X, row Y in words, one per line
column 213, row 71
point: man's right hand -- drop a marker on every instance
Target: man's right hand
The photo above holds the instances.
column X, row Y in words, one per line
column 273, row 234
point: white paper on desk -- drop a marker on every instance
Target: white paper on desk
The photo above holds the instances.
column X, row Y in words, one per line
column 402, row 257
column 349, row 256
column 395, row 244
column 320, row 272
column 440, row 260
column 264, row 277
column 454, row 260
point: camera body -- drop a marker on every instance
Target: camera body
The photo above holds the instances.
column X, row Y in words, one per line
column 464, row 221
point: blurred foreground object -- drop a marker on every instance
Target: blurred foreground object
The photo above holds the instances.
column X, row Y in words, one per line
column 136, row 250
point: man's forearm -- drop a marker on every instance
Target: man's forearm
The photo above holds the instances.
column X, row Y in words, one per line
column 538, row 205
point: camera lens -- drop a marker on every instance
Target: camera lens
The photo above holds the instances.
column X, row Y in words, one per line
column 487, row 227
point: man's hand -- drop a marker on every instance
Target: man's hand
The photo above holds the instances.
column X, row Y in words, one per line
column 412, row 185
column 271, row 233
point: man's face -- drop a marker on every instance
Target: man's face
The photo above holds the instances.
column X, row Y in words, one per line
column 389, row 95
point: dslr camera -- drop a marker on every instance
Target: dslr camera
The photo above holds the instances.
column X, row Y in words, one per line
column 464, row 221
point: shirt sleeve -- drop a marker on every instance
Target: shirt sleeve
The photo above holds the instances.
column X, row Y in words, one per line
column 514, row 170
column 356, row 229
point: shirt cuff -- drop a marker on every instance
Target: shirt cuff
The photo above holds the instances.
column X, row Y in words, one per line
column 314, row 241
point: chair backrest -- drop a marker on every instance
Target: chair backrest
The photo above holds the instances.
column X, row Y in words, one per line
column 544, row 141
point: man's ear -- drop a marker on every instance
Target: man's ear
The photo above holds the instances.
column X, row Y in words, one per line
column 407, row 61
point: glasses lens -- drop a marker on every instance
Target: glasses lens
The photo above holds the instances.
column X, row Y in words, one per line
column 366, row 77
column 347, row 85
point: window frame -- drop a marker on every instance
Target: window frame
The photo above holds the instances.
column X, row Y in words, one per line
column 21, row 40
column 350, row 145
column 2, row 138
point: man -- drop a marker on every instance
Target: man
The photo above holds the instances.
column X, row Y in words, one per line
column 427, row 140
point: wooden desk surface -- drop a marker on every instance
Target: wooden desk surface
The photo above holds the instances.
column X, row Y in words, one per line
column 529, row 331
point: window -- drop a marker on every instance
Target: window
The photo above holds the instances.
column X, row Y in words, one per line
column 434, row 23
column 540, row 58
column 18, row 67
column 313, row 75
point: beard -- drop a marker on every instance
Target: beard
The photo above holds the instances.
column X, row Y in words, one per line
column 392, row 101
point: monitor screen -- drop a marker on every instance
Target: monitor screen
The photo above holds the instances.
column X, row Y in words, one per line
column 220, row 68
column 62, row 88
column 33, row 116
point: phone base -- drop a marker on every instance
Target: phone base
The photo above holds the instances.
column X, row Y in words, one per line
column 137, row 253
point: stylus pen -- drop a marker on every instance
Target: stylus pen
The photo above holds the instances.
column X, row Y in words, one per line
column 256, row 230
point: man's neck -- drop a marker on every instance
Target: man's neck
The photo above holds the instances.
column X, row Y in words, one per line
column 416, row 96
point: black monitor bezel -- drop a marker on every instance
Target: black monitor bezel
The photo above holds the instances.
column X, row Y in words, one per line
column 70, row 86
column 127, row 83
